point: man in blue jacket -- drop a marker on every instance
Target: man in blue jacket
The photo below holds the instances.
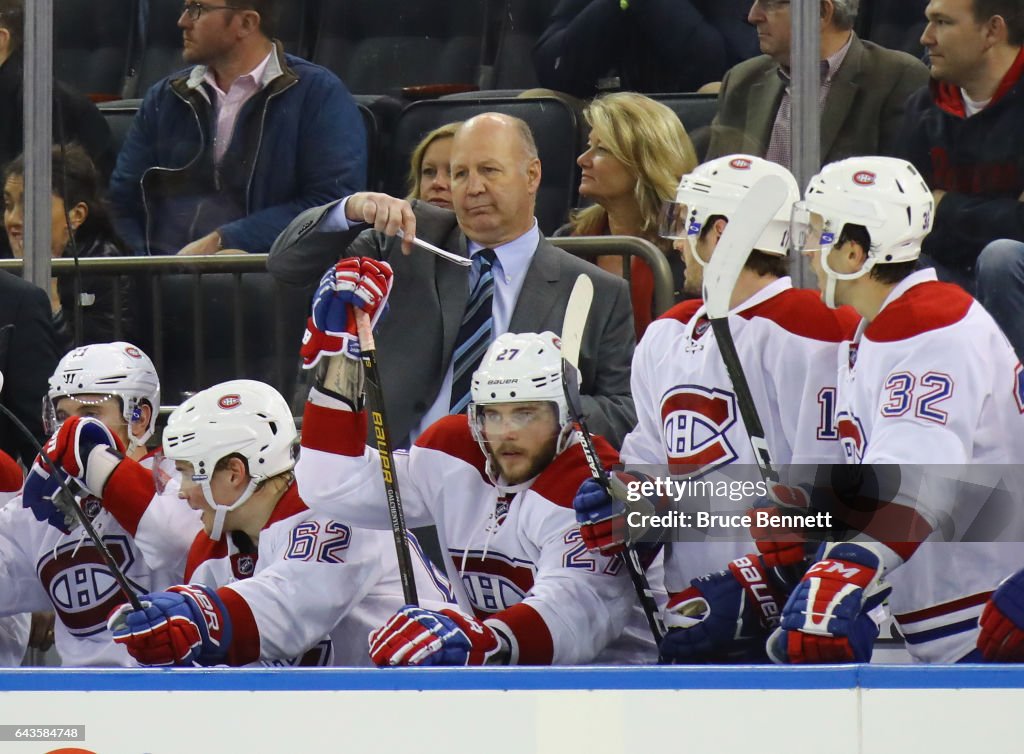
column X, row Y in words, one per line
column 225, row 154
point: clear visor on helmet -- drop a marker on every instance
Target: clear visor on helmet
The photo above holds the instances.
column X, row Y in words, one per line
column 674, row 221
column 52, row 418
column 492, row 420
column 810, row 231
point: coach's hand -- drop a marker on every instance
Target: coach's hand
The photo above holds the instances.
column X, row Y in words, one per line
column 387, row 215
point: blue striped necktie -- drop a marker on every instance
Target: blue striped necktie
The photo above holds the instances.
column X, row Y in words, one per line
column 475, row 331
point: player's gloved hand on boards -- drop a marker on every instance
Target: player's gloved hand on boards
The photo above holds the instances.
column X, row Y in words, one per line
column 1002, row 622
column 415, row 636
column 353, row 282
column 724, row 616
column 185, row 625
column 834, row 613
column 602, row 514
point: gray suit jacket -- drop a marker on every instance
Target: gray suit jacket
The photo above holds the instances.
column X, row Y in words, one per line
column 415, row 340
column 863, row 111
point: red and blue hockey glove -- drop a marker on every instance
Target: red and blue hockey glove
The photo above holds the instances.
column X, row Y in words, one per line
column 72, row 445
column 415, row 636
column 38, row 494
column 353, row 282
column 602, row 515
column 1002, row 622
column 724, row 616
column 834, row 613
column 185, row 625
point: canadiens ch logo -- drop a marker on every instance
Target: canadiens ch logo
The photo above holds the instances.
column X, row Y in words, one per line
column 865, row 178
column 740, row 163
column 494, row 581
column 230, row 401
column 851, row 435
column 694, row 422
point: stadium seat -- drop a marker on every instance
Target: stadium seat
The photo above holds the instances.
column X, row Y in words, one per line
column 380, row 113
column 119, row 115
column 896, row 24
column 696, row 111
column 554, row 126
column 380, row 46
column 93, row 42
column 523, row 25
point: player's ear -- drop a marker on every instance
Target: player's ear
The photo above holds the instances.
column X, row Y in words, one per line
column 140, row 418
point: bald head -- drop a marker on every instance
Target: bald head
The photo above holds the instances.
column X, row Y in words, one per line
column 495, row 177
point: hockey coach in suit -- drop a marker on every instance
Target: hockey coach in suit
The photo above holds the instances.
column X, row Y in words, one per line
column 495, row 177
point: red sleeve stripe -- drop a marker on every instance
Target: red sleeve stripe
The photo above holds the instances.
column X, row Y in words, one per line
column 329, row 430
column 944, row 608
column 529, row 633
column 245, row 634
column 127, row 494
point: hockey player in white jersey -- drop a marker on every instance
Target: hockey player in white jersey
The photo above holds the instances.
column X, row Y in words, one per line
column 262, row 578
column 688, row 414
column 498, row 484
column 46, row 560
column 928, row 378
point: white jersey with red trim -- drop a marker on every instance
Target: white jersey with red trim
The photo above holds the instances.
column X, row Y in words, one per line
column 687, row 410
column 514, row 554
column 43, row 569
column 307, row 593
column 933, row 381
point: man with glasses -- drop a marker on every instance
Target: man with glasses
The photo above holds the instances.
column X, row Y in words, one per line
column 861, row 97
column 225, row 154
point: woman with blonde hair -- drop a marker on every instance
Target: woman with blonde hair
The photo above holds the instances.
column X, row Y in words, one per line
column 636, row 153
column 429, row 178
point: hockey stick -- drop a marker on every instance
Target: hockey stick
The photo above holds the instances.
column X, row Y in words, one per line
column 757, row 209
column 375, row 392
column 575, row 322
column 67, row 499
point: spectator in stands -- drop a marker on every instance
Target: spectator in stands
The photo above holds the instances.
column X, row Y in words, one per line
column 862, row 97
column 636, row 153
column 28, row 354
column 225, row 154
column 963, row 133
column 521, row 283
column 429, row 173
column 641, row 45
column 75, row 118
column 81, row 227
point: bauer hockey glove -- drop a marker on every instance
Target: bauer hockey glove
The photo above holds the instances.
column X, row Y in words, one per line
column 724, row 616
column 1002, row 622
column 39, row 493
column 355, row 281
column 602, row 516
column 834, row 613
column 415, row 636
column 183, row 626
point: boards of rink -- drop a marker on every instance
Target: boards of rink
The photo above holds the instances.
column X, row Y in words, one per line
column 839, row 709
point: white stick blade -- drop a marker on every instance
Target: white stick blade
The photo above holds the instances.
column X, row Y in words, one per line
column 752, row 216
column 575, row 322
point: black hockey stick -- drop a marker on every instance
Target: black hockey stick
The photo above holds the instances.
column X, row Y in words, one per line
column 573, row 325
column 67, row 499
column 757, row 209
column 375, row 393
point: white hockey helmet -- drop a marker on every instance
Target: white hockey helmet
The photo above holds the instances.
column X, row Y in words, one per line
column 520, row 368
column 246, row 417
column 717, row 188
column 111, row 370
column 885, row 195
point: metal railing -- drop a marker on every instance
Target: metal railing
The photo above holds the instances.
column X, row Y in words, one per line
column 589, row 247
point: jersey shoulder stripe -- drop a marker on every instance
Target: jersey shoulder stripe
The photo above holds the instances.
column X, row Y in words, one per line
column 923, row 308
column 802, row 312
column 683, row 311
column 564, row 475
column 451, row 435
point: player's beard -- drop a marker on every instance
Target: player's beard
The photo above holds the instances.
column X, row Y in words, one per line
column 536, row 462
